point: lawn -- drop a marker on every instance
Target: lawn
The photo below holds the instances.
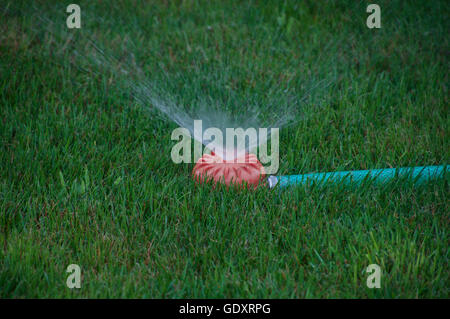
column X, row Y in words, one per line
column 86, row 175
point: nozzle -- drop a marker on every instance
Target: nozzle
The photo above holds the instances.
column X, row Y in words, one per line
column 272, row 181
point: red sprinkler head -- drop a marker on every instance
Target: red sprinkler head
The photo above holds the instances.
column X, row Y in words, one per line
column 236, row 171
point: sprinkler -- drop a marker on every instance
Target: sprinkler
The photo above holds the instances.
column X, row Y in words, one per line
column 239, row 171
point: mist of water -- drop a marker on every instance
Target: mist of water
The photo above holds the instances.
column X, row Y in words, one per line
column 93, row 59
column 149, row 95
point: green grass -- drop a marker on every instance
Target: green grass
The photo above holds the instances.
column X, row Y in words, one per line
column 86, row 175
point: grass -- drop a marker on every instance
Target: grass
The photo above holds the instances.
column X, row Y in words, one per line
column 86, row 175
